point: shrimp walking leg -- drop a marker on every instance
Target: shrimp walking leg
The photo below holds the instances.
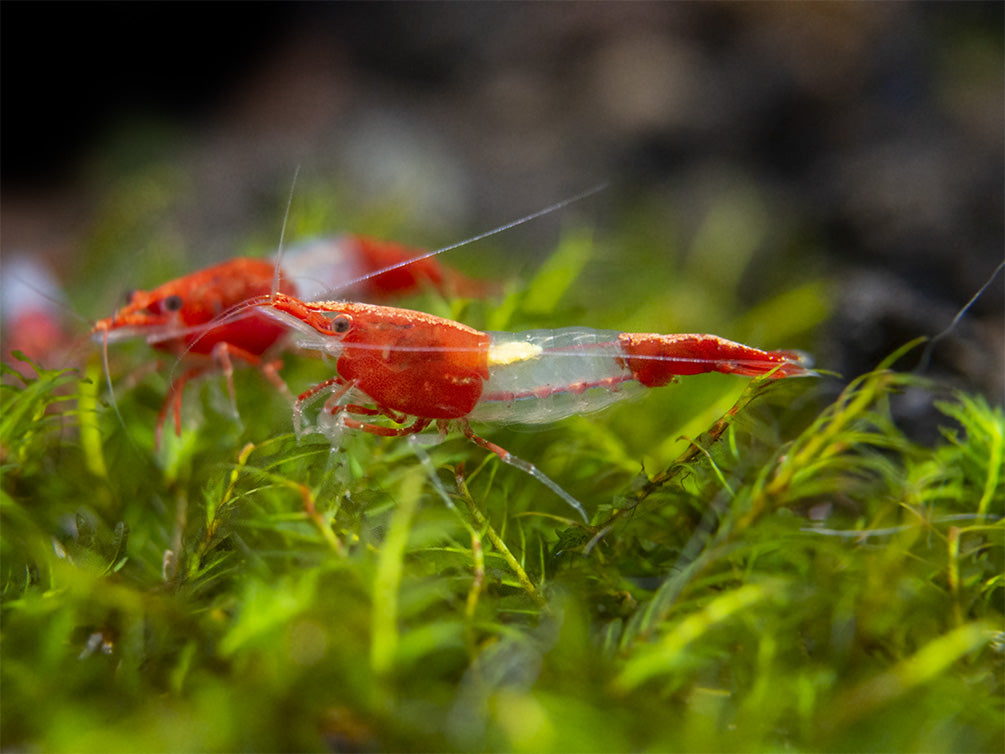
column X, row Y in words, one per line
column 506, row 457
column 333, row 415
column 173, row 403
column 222, row 354
column 338, row 388
column 377, row 429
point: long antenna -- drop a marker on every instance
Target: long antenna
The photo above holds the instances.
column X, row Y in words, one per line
column 926, row 355
column 512, row 224
column 277, row 272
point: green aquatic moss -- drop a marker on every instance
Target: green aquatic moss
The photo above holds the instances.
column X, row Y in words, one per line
column 797, row 575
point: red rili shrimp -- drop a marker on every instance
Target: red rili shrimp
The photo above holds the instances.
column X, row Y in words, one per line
column 405, row 365
column 181, row 317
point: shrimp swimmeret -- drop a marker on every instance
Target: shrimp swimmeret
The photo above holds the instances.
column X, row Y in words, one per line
column 406, row 365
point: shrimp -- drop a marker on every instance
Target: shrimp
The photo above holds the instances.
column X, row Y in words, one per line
column 32, row 314
column 401, row 365
column 180, row 317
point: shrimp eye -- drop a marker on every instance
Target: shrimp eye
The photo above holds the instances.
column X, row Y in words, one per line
column 341, row 324
column 130, row 294
column 172, row 303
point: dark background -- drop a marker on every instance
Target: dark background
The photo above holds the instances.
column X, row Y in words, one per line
column 878, row 127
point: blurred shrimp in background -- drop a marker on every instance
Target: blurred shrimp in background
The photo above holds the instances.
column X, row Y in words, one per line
column 33, row 315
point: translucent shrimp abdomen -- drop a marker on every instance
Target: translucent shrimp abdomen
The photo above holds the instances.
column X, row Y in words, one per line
column 542, row 376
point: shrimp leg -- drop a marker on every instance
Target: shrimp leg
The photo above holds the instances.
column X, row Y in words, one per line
column 526, row 466
column 223, row 355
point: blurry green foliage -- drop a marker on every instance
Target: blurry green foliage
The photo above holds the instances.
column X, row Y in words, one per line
column 799, row 576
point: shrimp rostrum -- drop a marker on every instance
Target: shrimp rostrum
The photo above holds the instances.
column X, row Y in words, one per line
column 417, row 370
